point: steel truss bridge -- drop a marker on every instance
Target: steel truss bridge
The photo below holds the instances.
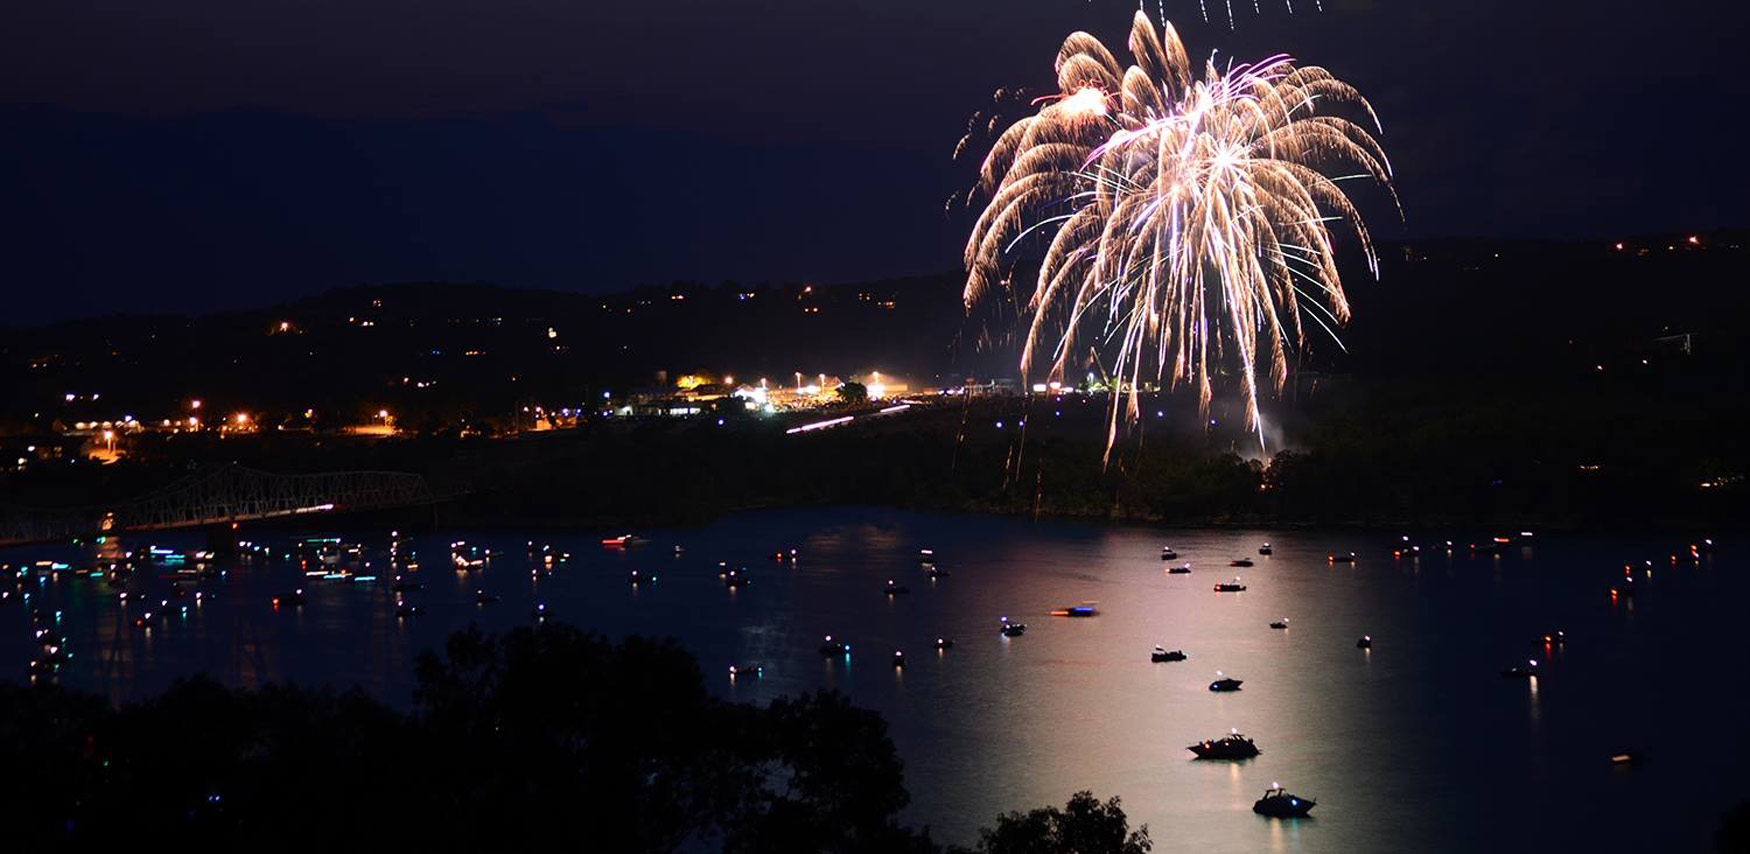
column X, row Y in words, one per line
column 220, row 496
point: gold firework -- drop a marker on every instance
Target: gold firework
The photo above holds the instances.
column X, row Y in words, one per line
column 1184, row 220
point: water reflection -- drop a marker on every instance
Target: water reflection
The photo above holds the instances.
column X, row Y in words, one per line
column 1013, row 722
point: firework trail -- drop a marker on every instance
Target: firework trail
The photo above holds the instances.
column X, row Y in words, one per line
column 1184, row 220
column 1226, row 5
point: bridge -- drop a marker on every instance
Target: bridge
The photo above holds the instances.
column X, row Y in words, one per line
column 220, row 496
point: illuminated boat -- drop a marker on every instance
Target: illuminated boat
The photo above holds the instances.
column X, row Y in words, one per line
column 898, row 659
column 939, row 573
column 481, row 597
column 1555, row 639
column 832, row 647
column 1012, row 630
column 1181, row 569
column 1231, row 746
column 1225, row 683
column 296, row 597
column 1521, row 671
column 1233, row 586
column 926, row 555
column 895, row 589
column 1334, row 557
column 623, row 541
column 1366, row 642
column 1167, row 553
column 744, row 671
column 1086, row 609
column 944, row 643
column 1278, row 803
column 1280, row 624
column 1163, row 654
column 1265, row 550
column 404, row 609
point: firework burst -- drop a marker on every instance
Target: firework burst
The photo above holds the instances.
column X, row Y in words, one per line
column 1184, row 221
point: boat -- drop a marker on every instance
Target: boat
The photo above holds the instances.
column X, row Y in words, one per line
column 1627, row 757
column 1086, row 609
column 678, row 551
column 894, row 589
column 1280, row 624
column 1527, row 670
column 403, row 586
column 1278, row 803
column 944, row 643
column 898, row 659
column 734, row 579
column 296, row 597
column 481, row 597
column 404, row 608
column 1334, row 557
column 1163, row 654
column 1231, row 746
column 1225, row 683
column 1555, row 639
column 1167, row 553
column 1233, row 586
column 540, row 611
column 926, row 555
column 831, row 647
column 939, row 573
column 1265, row 550
column 751, row 670
column 1240, row 561
column 1181, row 569
column 1013, row 630
column 1366, row 642
column 623, row 541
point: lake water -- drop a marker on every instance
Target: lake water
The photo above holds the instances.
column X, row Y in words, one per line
column 1418, row 744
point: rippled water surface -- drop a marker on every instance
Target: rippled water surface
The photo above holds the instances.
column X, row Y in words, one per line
column 1418, row 744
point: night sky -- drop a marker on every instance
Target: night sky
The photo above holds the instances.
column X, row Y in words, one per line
column 194, row 155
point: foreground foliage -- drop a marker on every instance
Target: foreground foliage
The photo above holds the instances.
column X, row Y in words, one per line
column 537, row 737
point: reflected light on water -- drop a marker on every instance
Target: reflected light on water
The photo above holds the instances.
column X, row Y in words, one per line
column 1015, row 723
